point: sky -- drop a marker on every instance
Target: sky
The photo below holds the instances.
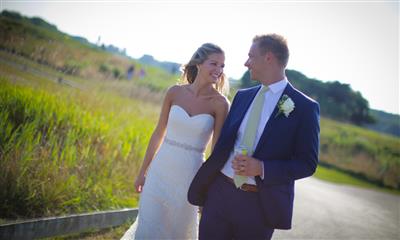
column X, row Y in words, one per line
column 354, row 42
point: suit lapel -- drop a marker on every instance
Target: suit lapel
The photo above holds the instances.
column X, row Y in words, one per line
column 237, row 111
column 268, row 126
column 244, row 105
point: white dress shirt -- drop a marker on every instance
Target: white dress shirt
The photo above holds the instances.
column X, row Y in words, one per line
column 271, row 98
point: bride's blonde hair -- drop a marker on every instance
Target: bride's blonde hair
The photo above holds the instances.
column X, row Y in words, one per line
column 190, row 69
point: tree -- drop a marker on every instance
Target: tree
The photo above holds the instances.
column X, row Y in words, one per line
column 337, row 100
column 246, row 82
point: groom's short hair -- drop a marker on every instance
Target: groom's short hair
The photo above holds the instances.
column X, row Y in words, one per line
column 274, row 43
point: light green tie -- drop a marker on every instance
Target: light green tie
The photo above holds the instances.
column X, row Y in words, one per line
column 249, row 135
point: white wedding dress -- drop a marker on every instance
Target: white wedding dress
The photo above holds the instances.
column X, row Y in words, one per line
column 164, row 212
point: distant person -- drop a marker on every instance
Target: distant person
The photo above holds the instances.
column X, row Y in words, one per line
column 130, row 72
column 190, row 114
column 270, row 139
column 142, row 73
column 174, row 69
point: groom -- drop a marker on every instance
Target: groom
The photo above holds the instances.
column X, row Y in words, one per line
column 279, row 127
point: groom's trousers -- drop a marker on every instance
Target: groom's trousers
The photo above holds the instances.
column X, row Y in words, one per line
column 231, row 213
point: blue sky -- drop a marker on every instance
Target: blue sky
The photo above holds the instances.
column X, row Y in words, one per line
column 354, row 42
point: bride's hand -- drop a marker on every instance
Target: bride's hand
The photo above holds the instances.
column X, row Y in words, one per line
column 139, row 183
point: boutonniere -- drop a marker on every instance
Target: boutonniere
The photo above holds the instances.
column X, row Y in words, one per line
column 285, row 105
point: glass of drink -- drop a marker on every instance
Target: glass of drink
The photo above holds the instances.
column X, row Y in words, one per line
column 239, row 180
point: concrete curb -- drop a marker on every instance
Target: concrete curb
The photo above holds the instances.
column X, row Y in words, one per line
column 57, row 226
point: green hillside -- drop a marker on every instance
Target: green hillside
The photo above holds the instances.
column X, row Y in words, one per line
column 35, row 39
column 340, row 102
column 73, row 141
column 363, row 153
column 385, row 122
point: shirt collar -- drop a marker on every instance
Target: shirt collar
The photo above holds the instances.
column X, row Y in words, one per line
column 278, row 86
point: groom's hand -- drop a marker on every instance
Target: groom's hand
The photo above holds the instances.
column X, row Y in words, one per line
column 247, row 166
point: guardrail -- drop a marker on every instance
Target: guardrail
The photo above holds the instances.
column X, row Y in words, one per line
column 63, row 225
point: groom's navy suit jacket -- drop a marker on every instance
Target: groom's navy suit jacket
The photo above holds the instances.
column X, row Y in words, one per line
column 288, row 148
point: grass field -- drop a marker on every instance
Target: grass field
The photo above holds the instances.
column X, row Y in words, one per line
column 67, row 150
column 371, row 156
column 74, row 130
column 340, row 177
column 70, row 148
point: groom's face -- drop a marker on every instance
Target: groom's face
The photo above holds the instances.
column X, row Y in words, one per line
column 255, row 62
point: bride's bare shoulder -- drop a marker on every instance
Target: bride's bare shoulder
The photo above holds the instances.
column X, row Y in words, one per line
column 175, row 90
column 220, row 101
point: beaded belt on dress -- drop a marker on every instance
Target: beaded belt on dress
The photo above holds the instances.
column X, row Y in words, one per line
column 183, row 145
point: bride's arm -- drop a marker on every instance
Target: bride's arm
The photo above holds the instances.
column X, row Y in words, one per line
column 156, row 137
column 221, row 111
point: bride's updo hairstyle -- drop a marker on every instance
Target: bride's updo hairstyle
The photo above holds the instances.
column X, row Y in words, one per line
column 190, row 69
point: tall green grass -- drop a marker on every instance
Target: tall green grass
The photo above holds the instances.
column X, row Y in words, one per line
column 363, row 153
column 68, row 152
column 341, row 177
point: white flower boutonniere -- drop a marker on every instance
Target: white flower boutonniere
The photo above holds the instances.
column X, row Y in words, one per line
column 285, row 105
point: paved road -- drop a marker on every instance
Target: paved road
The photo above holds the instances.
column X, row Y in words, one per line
column 328, row 211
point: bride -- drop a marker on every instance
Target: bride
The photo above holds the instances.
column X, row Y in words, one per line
column 190, row 114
